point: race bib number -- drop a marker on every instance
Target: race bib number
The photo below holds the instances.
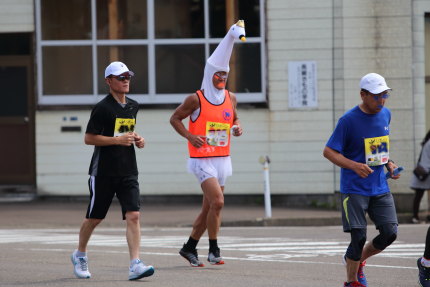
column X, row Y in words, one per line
column 377, row 150
column 217, row 134
column 123, row 126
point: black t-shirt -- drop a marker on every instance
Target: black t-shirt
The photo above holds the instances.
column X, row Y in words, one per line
column 109, row 118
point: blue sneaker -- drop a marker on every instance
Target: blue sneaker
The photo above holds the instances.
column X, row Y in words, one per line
column 360, row 274
column 361, row 277
column 423, row 274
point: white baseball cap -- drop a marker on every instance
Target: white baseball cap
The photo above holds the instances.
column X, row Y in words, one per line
column 116, row 69
column 374, row 83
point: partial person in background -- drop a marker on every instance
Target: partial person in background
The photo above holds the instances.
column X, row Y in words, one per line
column 360, row 146
column 113, row 170
column 213, row 120
column 423, row 264
column 420, row 185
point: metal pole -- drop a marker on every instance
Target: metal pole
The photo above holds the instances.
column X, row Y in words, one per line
column 267, row 202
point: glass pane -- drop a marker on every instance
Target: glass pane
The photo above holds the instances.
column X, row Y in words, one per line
column 179, row 68
column 179, row 19
column 136, row 59
column 13, row 81
column 121, row 19
column 67, row 70
column 248, row 10
column 245, row 68
column 66, row 20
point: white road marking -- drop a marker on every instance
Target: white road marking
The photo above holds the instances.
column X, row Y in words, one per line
column 267, row 249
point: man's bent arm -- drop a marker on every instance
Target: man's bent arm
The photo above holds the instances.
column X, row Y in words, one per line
column 184, row 110
column 100, row 140
column 363, row 170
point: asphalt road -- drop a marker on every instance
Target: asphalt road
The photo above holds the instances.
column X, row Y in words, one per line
column 255, row 256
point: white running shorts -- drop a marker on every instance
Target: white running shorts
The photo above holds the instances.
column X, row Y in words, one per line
column 217, row 167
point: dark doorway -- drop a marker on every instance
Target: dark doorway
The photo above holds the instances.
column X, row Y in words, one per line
column 17, row 144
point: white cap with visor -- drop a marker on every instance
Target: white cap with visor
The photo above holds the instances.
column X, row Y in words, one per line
column 116, row 69
column 374, row 83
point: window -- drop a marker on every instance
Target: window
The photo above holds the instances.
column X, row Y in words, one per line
column 179, row 19
column 165, row 42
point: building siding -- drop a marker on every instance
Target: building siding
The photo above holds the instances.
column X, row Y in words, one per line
column 16, row 16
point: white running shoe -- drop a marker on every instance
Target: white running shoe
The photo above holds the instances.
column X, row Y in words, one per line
column 80, row 265
column 139, row 270
column 415, row 220
column 215, row 258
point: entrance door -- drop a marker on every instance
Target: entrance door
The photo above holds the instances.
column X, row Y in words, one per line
column 17, row 151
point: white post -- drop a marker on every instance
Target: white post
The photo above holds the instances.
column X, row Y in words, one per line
column 267, row 203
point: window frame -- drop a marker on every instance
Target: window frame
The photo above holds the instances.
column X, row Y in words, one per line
column 151, row 97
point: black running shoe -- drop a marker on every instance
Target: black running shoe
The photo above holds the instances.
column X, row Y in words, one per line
column 191, row 256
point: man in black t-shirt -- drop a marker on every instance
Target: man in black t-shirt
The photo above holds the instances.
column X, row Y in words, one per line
column 113, row 169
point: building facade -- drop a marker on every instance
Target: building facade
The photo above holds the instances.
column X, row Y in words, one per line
column 295, row 76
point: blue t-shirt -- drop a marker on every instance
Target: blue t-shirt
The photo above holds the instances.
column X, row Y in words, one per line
column 363, row 138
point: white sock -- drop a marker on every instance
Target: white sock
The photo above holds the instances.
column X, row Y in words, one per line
column 80, row 254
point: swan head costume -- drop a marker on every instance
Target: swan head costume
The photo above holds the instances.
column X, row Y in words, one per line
column 220, row 58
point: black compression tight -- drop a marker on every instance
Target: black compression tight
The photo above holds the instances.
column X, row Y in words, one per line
column 417, row 200
column 387, row 235
column 355, row 248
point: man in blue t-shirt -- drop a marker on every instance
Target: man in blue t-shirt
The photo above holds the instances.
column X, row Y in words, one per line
column 360, row 146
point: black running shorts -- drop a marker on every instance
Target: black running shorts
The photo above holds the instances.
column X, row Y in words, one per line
column 380, row 208
column 103, row 189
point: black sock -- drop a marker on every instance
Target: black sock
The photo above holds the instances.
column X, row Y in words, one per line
column 213, row 245
column 191, row 244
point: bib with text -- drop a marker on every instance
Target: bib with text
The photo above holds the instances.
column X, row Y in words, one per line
column 377, row 150
column 123, row 126
column 217, row 134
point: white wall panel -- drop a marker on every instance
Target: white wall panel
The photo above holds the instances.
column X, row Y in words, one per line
column 62, row 156
column 16, row 16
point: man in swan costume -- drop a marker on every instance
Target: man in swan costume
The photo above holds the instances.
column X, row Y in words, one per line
column 213, row 119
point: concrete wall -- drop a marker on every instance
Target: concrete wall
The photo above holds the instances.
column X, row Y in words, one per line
column 16, row 16
column 376, row 36
column 347, row 39
column 300, row 31
column 419, row 8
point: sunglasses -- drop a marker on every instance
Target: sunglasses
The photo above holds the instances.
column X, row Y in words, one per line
column 122, row 78
column 221, row 76
column 383, row 96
